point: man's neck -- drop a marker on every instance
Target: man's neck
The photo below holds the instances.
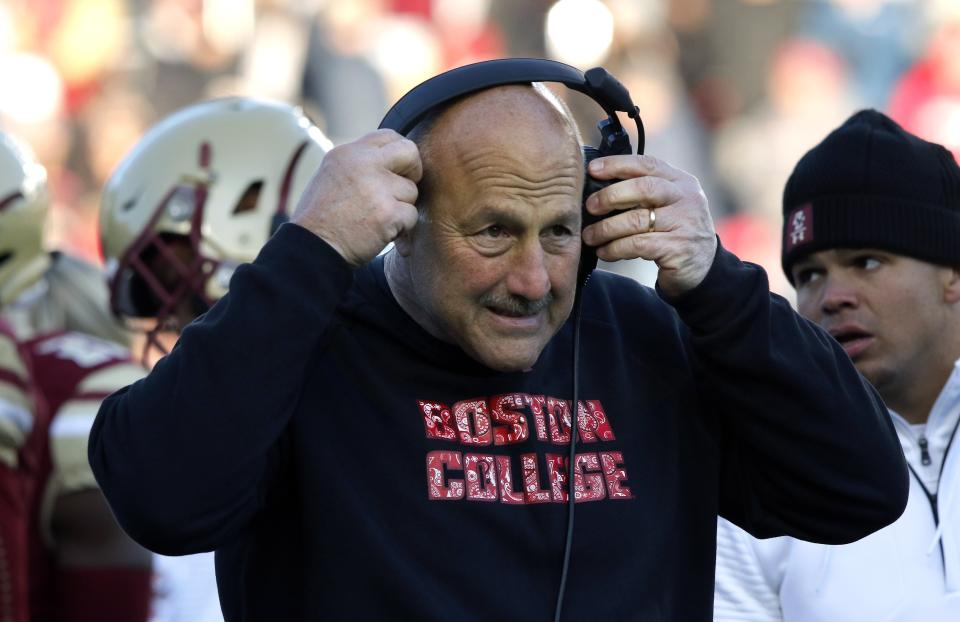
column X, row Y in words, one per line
column 397, row 271
column 917, row 412
column 915, row 400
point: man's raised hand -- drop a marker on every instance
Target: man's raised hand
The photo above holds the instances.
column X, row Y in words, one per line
column 665, row 219
column 362, row 196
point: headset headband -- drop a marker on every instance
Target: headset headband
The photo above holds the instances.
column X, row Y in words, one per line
column 596, row 83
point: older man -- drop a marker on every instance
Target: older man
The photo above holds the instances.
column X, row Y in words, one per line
column 364, row 437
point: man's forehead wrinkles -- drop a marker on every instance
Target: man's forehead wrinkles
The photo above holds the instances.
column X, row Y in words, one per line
column 492, row 163
column 514, row 181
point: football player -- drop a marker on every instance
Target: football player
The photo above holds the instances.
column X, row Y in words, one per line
column 81, row 564
column 17, row 419
column 197, row 196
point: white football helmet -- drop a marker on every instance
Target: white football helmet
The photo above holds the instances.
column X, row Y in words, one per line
column 23, row 208
column 215, row 178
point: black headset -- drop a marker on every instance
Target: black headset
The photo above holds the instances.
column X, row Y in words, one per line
column 613, row 97
column 596, row 83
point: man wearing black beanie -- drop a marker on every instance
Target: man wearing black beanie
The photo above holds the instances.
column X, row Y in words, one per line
column 871, row 242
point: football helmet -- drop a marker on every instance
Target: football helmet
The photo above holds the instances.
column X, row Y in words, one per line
column 198, row 195
column 23, row 209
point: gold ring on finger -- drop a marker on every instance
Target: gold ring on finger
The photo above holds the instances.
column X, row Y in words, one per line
column 651, row 220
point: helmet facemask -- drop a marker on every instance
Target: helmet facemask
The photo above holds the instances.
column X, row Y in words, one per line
column 199, row 195
column 162, row 277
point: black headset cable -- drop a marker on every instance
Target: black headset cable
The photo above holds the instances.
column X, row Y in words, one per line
column 571, row 458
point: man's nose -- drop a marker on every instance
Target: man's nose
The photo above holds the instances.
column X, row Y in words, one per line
column 528, row 275
column 838, row 293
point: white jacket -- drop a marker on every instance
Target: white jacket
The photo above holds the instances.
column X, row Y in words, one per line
column 185, row 589
column 906, row 572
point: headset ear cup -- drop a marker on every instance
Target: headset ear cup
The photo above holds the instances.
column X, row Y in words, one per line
column 590, row 185
column 588, row 254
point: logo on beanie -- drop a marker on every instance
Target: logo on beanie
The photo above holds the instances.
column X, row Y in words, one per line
column 799, row 226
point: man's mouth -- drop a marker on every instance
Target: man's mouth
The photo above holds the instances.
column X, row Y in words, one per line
column 853, row 339
column 513, row 313
column 512, row 320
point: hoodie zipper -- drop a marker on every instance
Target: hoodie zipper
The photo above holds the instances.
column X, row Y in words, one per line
column 932, row 497
column 924, row 451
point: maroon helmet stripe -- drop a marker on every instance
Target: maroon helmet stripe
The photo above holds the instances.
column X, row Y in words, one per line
column 10, row 198
column 288, row 178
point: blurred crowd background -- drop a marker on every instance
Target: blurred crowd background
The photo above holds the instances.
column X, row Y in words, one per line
column 734, row 91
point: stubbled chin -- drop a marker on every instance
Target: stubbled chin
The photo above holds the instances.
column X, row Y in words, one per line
column 509, row 361
column 873, row 373
column 507, row 367
column 508, row 348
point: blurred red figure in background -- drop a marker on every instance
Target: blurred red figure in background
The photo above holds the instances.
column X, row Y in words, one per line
column 79, row 563
column 926, row 101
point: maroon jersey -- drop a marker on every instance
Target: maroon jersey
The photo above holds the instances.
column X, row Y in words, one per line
column 17, row 463
column 72, row 373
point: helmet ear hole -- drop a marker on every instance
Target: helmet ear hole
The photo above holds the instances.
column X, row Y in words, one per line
column 249, row 199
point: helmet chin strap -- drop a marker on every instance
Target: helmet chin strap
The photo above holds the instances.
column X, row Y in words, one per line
column 151, row 344
column 169, row 324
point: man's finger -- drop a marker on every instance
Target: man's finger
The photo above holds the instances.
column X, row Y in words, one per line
column 407, row 216
column 651, row 192
column 378, row 138
column 405, row 190
column 643, row 245
column 627, row 166
column 403, row 158
column 632, row 222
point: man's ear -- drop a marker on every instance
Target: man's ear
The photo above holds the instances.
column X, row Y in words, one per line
column 951, row 290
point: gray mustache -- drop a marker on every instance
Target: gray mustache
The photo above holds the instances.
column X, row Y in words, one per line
column 516, row 305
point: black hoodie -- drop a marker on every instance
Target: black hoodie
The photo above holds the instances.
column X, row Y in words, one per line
column 348, row 466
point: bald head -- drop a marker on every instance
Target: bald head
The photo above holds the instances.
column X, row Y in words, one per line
column 522, row 122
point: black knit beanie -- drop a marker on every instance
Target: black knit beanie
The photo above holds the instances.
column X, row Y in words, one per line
column 871, row 184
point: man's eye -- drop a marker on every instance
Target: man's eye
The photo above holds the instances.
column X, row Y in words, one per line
column 866, row 262
column 495, row 231
column 560, row 231
column 806, row 275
